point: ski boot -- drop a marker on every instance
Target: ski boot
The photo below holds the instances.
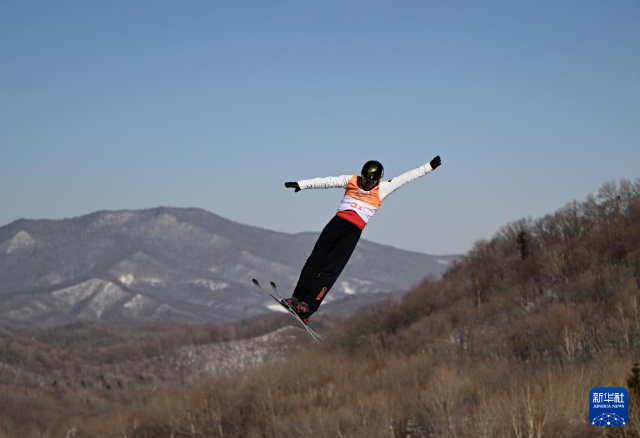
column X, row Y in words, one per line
column 301, row 308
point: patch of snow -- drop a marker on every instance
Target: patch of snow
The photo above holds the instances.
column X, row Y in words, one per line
column 276, row 308
column 103, row 294
column 126, row 279
column 115, row 218
column 129, row 279
column 240, row 268
column 209, row 284
column 137, row 304
column 53, row 278
column 166, row 219
column 225, row 357
column 70, row 296
column 347, row 288
column 359, row 281
column 31, row 310
column 22, row 240
column 152, row 281
column 442, row 262
column 219, row 241
column 329, row 298
column 104, row 299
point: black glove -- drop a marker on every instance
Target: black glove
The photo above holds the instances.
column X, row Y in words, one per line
column 435, row 162
column 292, row 185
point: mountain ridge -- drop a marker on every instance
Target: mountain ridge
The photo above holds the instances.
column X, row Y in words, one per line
column 186, row 264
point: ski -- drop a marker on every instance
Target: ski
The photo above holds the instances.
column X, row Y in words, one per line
column 284, row 304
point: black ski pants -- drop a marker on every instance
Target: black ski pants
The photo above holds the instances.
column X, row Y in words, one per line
column 327, row 260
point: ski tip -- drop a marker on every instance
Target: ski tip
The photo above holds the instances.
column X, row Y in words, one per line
column 273, row 285
column 255, row 281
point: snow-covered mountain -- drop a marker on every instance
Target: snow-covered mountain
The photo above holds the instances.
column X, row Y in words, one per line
column 169, row 263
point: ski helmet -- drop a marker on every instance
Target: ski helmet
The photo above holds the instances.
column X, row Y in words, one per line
column 372, row 173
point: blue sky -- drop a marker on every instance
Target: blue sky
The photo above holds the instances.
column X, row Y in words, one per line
column 127, row 105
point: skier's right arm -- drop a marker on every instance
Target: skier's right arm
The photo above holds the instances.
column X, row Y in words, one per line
column 329, row 182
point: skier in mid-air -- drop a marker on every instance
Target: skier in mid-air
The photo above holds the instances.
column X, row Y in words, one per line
column 363, row 196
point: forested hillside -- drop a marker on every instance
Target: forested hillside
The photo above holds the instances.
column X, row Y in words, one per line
column 509, row 344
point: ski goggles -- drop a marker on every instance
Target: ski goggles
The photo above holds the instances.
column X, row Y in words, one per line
column 368, row 184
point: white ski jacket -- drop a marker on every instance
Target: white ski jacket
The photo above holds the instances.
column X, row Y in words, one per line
column 357, row 205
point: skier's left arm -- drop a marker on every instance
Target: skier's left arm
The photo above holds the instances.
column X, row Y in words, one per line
column 388, row 187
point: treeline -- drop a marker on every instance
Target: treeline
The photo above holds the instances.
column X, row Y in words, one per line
column 78, row 375
column 75, row 352
column 508, row 344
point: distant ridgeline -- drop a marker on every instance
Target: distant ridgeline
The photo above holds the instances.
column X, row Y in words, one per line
column 172, row 264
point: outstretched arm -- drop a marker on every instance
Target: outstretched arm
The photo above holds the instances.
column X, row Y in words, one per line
column 329, row 182
column 388, row 187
